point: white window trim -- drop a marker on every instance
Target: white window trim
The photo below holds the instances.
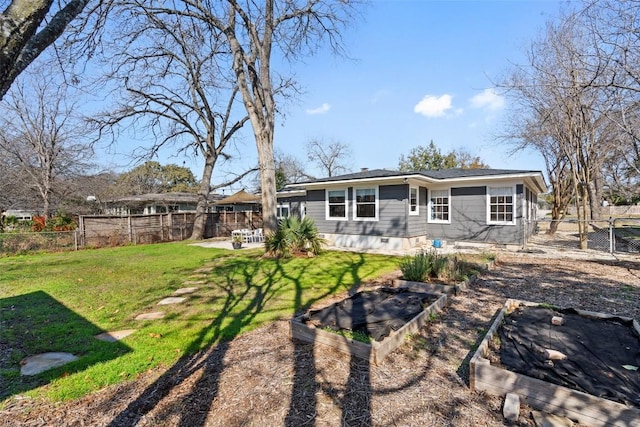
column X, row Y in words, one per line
column 377, row 204
column 279, row 207
column 346, row 205
column 513, row 203
column 417, row 211
column 430, row 218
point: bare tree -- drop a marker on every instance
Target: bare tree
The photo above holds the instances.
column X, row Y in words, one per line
column 253, row 32
column 172, row 67
column 557, row 92
column 27, row 28
column 40, row 133
column 331, row 158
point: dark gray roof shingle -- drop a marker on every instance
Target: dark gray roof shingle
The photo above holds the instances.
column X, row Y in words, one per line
column 435, row 174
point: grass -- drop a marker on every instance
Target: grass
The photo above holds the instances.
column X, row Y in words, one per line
column 59, row 301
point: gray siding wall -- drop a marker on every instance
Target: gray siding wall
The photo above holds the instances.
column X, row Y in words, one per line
column 469, row 219
column 392, row 216
column 468, row 216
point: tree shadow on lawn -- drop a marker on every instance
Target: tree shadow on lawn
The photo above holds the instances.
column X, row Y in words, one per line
column 36, row 323
column 243, row 300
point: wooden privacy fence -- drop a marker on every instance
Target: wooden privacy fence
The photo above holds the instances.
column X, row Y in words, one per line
column 111, row 230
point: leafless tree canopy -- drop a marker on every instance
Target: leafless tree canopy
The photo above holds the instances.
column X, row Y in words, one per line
column 331, row 158
column 576, row 102
column 41, row 138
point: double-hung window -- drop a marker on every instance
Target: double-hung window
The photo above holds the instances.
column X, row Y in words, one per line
column 413, row 201
column 439, row 206
column 283, row 210
column 501, row 205
column 336, row 204
column 365, row 202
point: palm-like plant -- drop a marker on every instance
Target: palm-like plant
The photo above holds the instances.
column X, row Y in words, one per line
column 294, row 235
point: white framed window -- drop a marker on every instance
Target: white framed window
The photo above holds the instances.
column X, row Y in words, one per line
column 365, row 204
column 414, row 201
column 336, row 207
column 440, row 206
column 501, row 205
column 283, row 210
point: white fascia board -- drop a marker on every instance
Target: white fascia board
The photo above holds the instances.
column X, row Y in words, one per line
column 367, row 181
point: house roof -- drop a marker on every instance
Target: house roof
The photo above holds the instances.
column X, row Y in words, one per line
column 175, row 197
column 241, row 197
column 455, row 175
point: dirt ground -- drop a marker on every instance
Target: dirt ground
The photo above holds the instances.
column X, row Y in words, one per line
column 264, row 379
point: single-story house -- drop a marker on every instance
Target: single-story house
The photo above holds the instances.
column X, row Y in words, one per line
column 380, row 208
column 155, row 203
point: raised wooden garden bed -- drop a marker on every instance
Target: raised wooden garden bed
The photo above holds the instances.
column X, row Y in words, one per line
column 434, row 287
column 375, row 351
column 576, row 405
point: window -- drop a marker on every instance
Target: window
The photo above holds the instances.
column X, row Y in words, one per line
column 336, row 204
column 439, row 206
column 413, row 201
column 366, row 204
column 500, row 206
column 283, row 210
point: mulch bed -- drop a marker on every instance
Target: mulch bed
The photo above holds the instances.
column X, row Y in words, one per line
column 263, row 378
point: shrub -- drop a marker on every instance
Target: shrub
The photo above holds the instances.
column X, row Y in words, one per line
column 294, row 236
column 416, row 268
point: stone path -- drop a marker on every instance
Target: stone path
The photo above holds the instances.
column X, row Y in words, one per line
column 33, row 365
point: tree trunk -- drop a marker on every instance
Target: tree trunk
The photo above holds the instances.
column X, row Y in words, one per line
column 200, row 220
column 268, row 186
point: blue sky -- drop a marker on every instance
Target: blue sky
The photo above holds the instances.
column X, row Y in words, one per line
column 420, row 71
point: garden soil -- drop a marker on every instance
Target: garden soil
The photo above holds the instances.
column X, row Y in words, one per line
column 263, row 378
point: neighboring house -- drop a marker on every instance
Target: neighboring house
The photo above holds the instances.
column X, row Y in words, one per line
column 156, row 203
column 398, row 210
column 19, row 214
column 239, row 202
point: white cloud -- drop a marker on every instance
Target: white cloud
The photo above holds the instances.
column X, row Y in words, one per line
column 320, row 110
column 488, row 99
column 434, row 106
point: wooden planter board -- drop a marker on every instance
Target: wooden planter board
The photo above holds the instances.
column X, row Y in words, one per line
column 375, row 351
column 434, row 288
column 585, row 408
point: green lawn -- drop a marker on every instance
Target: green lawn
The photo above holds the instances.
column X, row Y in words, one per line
column 59, row 301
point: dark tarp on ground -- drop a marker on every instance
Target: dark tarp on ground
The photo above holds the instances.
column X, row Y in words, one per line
column 375, row 313
column 596, row 351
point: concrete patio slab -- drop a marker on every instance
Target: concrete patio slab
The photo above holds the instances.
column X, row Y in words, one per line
column 37, row 363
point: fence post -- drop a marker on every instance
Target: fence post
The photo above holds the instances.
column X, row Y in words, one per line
column 612, row 236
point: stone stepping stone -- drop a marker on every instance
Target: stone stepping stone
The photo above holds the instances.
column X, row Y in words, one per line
column 37, row 363
column 204, row 270
column 194, row 282
column 115, row 335
column 151, row 316
column 172, row 300
column 184, row 291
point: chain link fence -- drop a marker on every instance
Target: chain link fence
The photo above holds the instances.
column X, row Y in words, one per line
column 614, row 235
